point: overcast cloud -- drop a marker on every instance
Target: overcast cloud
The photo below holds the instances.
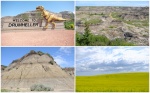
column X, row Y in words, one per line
column 102, row 60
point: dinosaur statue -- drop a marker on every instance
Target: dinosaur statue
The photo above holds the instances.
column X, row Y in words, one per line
column 49, row 17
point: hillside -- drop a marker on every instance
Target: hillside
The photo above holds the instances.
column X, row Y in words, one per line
column 122, row 82
column 36, row 68
column 127, row 23
column 3, row 67
column 69, row 70
column 36, row 14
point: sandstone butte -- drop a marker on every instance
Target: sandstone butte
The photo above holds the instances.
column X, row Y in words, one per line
column 36, row 68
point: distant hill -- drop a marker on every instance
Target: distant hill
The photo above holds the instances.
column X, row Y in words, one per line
column 36, row 14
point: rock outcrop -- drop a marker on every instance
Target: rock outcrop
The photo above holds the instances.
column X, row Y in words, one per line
column 69, row 70
column 3, row 67
column 36, row 68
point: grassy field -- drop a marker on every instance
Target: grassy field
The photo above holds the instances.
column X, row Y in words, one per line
column 122, row 82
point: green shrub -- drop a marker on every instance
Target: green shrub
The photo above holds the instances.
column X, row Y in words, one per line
column 40, row 53
column 50, row 56
column 77, row 8
column 4, row 90
column 51, row 62
column 40, row 87
column 69, row 25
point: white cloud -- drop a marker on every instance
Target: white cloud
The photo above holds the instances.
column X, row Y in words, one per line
column 66, row 50
column 112, row 58
column 60, row 60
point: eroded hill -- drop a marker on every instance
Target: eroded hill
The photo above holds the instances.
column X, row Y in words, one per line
column 36, row 68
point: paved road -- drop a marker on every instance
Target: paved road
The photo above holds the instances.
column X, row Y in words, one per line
column 38, row 38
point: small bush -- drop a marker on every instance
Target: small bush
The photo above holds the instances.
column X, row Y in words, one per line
column 40, row 53
column 51, row 62
column 50, row 56
column 77, row 8
column 40, row 88
column 69, row 24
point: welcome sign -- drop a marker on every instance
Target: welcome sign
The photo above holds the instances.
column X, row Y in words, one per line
column 24, row 23
column 20, row 23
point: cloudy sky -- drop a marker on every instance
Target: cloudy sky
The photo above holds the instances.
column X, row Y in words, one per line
column 131, row 3
column 64, row 56
column 103, row 60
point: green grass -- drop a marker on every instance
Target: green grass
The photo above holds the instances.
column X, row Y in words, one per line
column 91, row 21
column 112, row 26
column 94, row 21
column 4, row 90
column 122, row 82
column 137, row 23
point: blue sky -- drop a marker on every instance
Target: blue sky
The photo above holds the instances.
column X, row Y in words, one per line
column 13, row 8
column 64, row 56
column 112, row 3
column 104, row 60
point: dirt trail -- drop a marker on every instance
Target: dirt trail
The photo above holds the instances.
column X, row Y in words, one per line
column 38, row 38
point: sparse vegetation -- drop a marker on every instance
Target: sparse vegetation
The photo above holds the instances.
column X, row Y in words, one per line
column 77, row 8
column 9, row 69
column 100, row 14
column 40, row 53
column 5, row 90
column 91, row 21
column 51, row 62
column 123, row 82
column 40, row 87
column 138, row 23
column 39, row 15
column 88, row 39
column 112, row 27
column 50, row 56
column 25, row 17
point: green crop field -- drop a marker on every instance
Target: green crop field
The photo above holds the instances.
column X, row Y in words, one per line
column 122, row 82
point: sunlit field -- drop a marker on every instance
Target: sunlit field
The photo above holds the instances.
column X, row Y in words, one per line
column 122, row 82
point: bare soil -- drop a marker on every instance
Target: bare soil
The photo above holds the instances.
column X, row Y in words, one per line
column 37, row 38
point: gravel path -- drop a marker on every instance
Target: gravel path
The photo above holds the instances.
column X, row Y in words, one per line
column 38, row 38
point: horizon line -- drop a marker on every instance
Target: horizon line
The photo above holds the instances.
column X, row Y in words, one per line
column 115, row 73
